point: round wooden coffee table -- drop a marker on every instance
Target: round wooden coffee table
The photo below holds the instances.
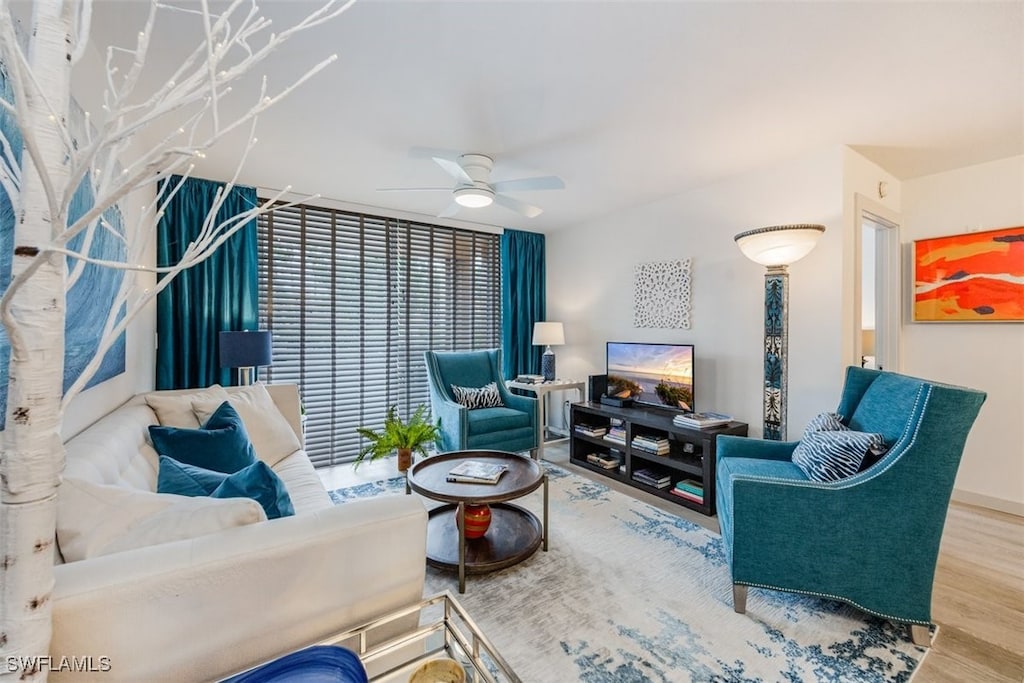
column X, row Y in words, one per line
column 514, row 534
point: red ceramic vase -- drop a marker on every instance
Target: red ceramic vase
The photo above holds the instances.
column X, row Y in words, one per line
column 478, row 520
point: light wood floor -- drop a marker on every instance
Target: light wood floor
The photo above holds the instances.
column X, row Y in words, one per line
column 978, row 599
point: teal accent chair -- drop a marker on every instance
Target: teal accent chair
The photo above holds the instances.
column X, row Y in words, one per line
column 870, row 540
column 513, row 427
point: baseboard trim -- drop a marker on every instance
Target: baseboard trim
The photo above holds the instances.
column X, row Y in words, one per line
column 990, row 502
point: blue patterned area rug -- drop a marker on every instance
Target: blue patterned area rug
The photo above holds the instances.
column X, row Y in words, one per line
column 630, row 593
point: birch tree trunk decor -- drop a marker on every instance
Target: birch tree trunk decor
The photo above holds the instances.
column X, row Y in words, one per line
column 40, row 175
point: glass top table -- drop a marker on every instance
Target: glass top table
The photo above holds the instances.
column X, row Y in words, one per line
column 444, row 630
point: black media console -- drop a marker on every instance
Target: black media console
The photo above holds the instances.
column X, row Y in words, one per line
column 643, row 448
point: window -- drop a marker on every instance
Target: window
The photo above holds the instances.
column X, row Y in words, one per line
column 354, row 300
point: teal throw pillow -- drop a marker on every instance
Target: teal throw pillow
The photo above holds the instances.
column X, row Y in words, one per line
column 186, row 480
column 259, row 482
column 221, row 445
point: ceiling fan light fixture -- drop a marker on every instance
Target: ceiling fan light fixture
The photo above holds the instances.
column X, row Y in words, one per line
column 474, row 197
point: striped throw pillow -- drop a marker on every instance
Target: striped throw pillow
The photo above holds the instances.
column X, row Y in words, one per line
column 486, row 396
column 825, row 422
column 830, row 456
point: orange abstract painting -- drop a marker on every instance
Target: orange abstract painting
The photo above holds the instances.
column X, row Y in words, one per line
column 978, row 276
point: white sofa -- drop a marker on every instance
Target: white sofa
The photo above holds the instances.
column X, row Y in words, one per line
column 202, row 608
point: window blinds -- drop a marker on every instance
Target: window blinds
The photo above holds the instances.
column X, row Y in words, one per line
column 353, row 301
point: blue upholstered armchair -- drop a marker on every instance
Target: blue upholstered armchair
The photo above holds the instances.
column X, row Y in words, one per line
column 871, row 539
column 512, row 427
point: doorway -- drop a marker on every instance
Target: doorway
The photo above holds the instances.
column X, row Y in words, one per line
column 878, row 328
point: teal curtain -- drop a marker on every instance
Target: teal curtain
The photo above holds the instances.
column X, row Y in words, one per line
column 218, row 294
column 522, row 300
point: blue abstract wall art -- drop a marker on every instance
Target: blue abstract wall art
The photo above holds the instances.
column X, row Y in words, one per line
column 90, row 300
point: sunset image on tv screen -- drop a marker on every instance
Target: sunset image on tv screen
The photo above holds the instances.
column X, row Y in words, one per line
column 653, row 373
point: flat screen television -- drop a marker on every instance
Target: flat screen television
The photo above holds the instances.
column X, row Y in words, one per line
column 657, row 374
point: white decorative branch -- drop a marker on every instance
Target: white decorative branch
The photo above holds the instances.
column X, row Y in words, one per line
column 199, row 249
column 10, row 173
column 195, row 253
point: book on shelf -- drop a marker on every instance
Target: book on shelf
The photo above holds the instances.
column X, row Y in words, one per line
column 590, row 430
column 616, row 435
column 652, row 451
column 475, row 472
column 691, row 486
column 652, row 441
column 651, row 445
column 652, row 478
column 701, row 420
column 652, row 448
column 649, row 482
column 603, row 461
column 652, row 481
column 656, row 474
column 686, row 495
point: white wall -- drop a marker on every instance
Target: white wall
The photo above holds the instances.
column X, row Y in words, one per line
column 590, row 286
column 986, row 356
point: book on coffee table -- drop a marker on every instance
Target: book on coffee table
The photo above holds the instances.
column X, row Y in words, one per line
column 475, row 472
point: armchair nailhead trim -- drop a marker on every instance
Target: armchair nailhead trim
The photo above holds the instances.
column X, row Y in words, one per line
column 890, row 617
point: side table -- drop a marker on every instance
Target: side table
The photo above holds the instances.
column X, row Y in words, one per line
column 541, row 390
column 515, row 533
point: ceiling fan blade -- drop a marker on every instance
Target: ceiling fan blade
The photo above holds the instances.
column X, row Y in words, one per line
column 527, row 210
column 454, row 170
column 414, row 189
column 452, row 209
column 548, row 182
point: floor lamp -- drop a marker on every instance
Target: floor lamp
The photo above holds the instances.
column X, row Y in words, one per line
column 776, row 247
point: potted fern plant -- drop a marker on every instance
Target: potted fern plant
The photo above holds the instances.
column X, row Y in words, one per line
column 404, row 437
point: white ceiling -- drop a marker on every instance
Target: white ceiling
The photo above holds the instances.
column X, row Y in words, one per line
column 627, row 101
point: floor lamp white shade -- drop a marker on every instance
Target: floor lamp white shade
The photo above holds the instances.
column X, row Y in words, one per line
column 548, row 334
column 779, row 245
column 776, row 247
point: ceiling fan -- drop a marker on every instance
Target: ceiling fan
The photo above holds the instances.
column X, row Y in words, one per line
column 474, row 189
